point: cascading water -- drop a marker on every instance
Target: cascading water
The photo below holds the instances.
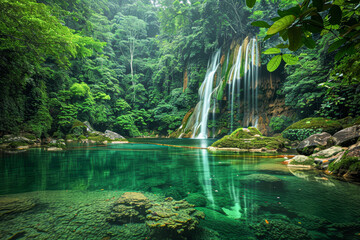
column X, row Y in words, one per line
column 239, row 69
column 205, row 93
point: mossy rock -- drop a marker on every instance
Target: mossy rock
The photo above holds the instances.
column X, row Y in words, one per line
column 326, row 125
column 344, row 165
column 197, row 199
column 245, row 132
column 249, row 138
column 17, row 144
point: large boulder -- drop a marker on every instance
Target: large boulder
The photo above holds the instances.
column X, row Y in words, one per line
column 347, row 136
column 113, row 135
column 307, row 146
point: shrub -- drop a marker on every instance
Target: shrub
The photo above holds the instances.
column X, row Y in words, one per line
column 300, row 134
column 278, row 124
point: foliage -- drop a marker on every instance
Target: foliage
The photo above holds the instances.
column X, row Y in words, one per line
column 298, row 25
column 278, row 124
column 300, row 134
column 327, row 125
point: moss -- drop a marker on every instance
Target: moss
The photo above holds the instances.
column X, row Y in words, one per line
column 326, row 125
column 57, row 145
column 17, row 144
column 245, row 132
column 99, row 138
column 29, row 136
column 70, row 137
column 345, row 164
column 246, row 140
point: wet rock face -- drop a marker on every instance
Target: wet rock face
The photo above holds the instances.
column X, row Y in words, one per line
column 307, row 146
column 130, row 207
column 347, row 136
column 11, row 205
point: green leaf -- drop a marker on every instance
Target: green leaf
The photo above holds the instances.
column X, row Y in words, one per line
column 295, row 40
column 274, row 63
column 335, row 14
column 281, row 24
column 272, row 51
column 291, row 11
column 315, row 24
column 250, row 3
column 260, row 24
column 290, row 59
column 282, row 45
column 335, row 45
column 309, row 42
column 319, row 4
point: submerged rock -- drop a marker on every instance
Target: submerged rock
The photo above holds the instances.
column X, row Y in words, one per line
column 347, row 136
column 280, row 230
column 173, row 216
column 130, row 207
column 307, row 146
column 12, row 205
column 168, row 217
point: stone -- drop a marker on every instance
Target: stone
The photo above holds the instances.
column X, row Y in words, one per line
column 54, row 149
column 347, row 136
column 307, row 146
column 300, row 158
column 113, row 135
column 354, row 150
column 329, row 152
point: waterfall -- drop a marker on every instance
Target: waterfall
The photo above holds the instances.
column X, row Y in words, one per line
column 205, row 93
column 241, row 93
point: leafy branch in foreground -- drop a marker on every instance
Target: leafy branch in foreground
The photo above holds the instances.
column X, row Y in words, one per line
column 297, row 26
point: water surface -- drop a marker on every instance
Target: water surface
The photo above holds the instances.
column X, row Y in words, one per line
column 247, row 195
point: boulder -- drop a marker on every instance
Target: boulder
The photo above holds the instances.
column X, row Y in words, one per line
column 300, row 158
column 347, row 136
column 307, row 146
column 329, row 152
column 354, row 150
column 113, row 135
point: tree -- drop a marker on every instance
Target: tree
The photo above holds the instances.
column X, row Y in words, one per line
column 130, row 29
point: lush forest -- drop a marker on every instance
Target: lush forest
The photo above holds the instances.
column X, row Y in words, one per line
column 135, row 67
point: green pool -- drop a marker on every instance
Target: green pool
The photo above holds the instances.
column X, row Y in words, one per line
column 71, row 194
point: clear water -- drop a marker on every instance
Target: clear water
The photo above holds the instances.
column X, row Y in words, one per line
column 71, row 193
